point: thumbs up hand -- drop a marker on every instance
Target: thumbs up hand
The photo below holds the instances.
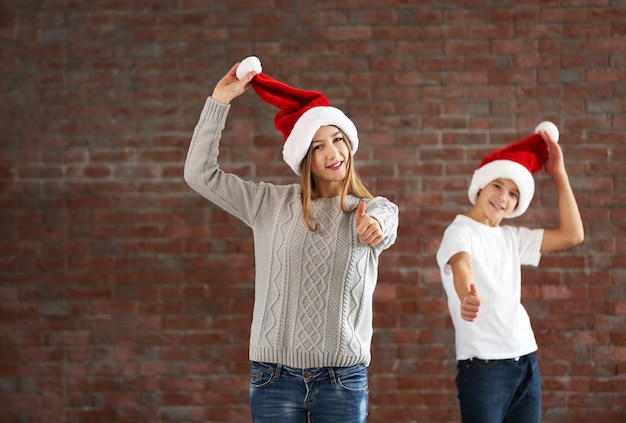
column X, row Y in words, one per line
column 470, row 304
column 367, row 228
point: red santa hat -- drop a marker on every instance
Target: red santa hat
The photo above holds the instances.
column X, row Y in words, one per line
column 302, row 113
column 517, row 162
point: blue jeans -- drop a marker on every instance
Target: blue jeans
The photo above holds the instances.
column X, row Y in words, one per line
column 282, row 394
column 497, row 391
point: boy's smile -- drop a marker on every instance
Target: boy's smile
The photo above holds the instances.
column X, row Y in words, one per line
column 495, row 201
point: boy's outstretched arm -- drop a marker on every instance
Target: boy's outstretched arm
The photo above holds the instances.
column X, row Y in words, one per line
column 570, row 231
column 463, row 274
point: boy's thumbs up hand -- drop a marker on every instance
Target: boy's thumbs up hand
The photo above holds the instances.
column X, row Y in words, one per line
column 367, row 228
column 470, row 304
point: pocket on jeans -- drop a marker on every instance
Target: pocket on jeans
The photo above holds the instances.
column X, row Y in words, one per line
column 352, row 379
column 261, row 374
column 478, row 364
column 470, row 369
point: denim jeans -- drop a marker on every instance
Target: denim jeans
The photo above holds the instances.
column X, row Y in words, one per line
column 497, row 391
column 282, row 394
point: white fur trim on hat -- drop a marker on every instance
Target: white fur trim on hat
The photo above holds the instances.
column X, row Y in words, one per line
column 299, row 140
column 506, row 169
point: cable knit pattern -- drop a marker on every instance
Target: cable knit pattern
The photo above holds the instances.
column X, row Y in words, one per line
column 313, row 290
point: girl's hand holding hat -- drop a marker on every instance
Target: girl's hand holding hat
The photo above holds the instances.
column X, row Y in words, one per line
column 231, row 86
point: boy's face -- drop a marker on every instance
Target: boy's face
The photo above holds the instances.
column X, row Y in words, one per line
column 498, row 199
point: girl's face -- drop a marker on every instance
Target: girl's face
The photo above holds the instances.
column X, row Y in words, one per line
column 329, row 159
column 497, row 200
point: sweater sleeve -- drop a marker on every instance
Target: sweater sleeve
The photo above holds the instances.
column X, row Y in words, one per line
column 202, row 173
column 386, row 213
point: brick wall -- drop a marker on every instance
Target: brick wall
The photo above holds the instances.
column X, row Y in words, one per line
column 125, row 297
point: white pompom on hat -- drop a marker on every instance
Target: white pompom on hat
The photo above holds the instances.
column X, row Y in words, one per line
column 302, row 113
column 249, row 64
column 516, row 162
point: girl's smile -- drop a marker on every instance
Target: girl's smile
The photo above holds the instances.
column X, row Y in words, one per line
column 335, row 166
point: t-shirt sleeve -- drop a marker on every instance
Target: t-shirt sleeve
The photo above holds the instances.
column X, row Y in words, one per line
column 530, row 246
column 455, row 239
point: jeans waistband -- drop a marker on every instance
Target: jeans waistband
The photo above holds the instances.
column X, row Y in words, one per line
column 313, row 373
column 483, row 360
column 319, row 373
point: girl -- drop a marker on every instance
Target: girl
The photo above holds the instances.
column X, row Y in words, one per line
column 317, row 245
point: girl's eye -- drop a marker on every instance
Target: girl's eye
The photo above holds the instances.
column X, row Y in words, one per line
column 338, row 139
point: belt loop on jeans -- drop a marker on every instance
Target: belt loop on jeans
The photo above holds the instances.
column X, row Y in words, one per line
column 279, row 368
column 331, row 373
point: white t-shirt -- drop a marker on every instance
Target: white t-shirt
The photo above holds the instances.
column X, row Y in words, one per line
column 502, row 328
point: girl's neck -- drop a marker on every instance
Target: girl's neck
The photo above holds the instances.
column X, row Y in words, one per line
column 329, row 190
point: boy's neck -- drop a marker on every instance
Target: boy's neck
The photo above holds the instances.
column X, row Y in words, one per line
column 479, row 216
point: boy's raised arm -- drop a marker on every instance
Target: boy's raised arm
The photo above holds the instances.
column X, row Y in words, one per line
column 570, row 231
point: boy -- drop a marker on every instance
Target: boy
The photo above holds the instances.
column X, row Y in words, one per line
column 480, row 261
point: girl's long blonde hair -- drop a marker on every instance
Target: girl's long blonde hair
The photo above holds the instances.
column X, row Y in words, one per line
column 352, row 185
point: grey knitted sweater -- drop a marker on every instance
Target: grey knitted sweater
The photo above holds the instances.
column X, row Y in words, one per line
column 313, row 290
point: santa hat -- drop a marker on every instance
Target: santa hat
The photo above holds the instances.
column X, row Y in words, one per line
column 302, row 113
column 517, row 162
